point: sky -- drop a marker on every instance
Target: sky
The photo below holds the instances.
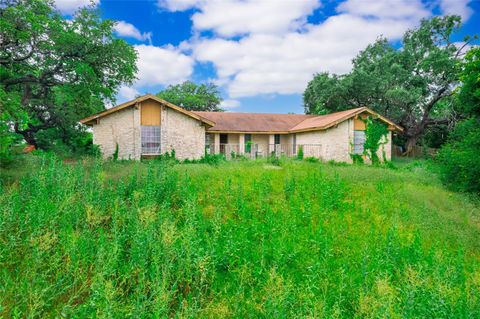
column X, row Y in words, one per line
column 261, row 53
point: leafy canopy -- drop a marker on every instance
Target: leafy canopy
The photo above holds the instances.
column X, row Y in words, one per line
column 459, row 158
column 55, row 71
column 411, row 85
column 193, row 97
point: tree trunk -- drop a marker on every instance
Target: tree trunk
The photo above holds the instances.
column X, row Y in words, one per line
column 411, row 142
column 29, row 137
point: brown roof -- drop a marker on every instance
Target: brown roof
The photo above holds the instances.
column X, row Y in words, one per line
column 90, row 120
column 253, row 122
column 281, row 123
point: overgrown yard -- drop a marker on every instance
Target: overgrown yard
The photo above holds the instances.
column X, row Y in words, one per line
column 242, row 239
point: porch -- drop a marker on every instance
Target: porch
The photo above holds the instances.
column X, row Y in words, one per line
column 255, row 150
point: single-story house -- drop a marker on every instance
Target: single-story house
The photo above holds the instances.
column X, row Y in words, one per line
column 149, row 126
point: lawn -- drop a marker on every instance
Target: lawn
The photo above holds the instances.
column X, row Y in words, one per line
column 241, row 239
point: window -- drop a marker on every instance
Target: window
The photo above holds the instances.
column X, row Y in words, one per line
column 223, row 138
column 277, row 138
column 358, row 141
column 248, row 142
column 150, row 139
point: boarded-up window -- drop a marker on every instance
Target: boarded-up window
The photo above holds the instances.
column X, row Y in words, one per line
column 358, row 141
column 150, row 139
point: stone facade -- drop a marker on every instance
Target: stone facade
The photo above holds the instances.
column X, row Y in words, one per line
column 335, row 142
column 186, row 135
column 182, row 133
column 122, row 128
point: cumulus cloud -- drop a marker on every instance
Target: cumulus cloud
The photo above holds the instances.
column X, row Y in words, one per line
column 229, row 104
column 70, row 6
column 284, row 63
column 125, row 29
column 162, row 66
column 127, row 93
column 237, row 17
column 457, row 7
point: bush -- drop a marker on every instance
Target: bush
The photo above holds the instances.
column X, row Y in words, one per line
column 459, row 159
column 312, row 159
column 300, row 153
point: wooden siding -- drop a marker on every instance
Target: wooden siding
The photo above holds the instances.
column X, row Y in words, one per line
column 359, row 125
column 150, row 111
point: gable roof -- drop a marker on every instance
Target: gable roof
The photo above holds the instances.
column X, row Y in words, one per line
column 253, row 122
column 282, row 123
column 90, row 119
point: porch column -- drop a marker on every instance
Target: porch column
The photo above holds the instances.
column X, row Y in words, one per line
column 216, row 143
column 271, row 144
column 241, row 143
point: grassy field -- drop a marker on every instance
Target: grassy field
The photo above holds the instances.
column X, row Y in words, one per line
column 242, row 239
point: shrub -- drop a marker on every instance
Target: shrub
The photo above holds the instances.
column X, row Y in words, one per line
column 115, row 154
column 357, row 158
column 300, row 153
column 212, row 159
column 460, row 157
column 312, row 159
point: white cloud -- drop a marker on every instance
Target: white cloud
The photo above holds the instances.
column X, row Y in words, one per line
column 458, row 7
column 229, row 104
column 385, row 9
column 179, row 5
column 162, row 66
column 283, row 64
column 128, row 30
column 237, row 17
column 127, row 93
column 70, row 6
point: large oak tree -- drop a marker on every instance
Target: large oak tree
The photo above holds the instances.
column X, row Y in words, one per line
column 411, row 83
column 54, row 70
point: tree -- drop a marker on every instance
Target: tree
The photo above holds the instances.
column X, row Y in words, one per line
column 459, row 158
column 55, row 71
column 193, row 97
column 412, row 85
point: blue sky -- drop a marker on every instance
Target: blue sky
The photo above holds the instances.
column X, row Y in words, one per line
column 261, row 53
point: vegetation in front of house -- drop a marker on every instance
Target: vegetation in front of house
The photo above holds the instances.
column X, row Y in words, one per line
column 375, row 136
column 143, row 239
column 411, row 84
column 460, row 158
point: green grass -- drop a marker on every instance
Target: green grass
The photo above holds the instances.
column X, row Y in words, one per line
column 242, row 239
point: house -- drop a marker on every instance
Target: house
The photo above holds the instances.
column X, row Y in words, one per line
column 149, row 126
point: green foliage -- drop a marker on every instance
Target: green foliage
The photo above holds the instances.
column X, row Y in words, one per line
column 115, row 153
column 357, row 158
column 193, row 97
column 374, row 133
column 410, row 83
column 168, row 157
column 248, row 146
column 300, row 152
column 469, row 93
column 311, row 159
column 55, row 71
column 124, row 239
column 460, row 158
